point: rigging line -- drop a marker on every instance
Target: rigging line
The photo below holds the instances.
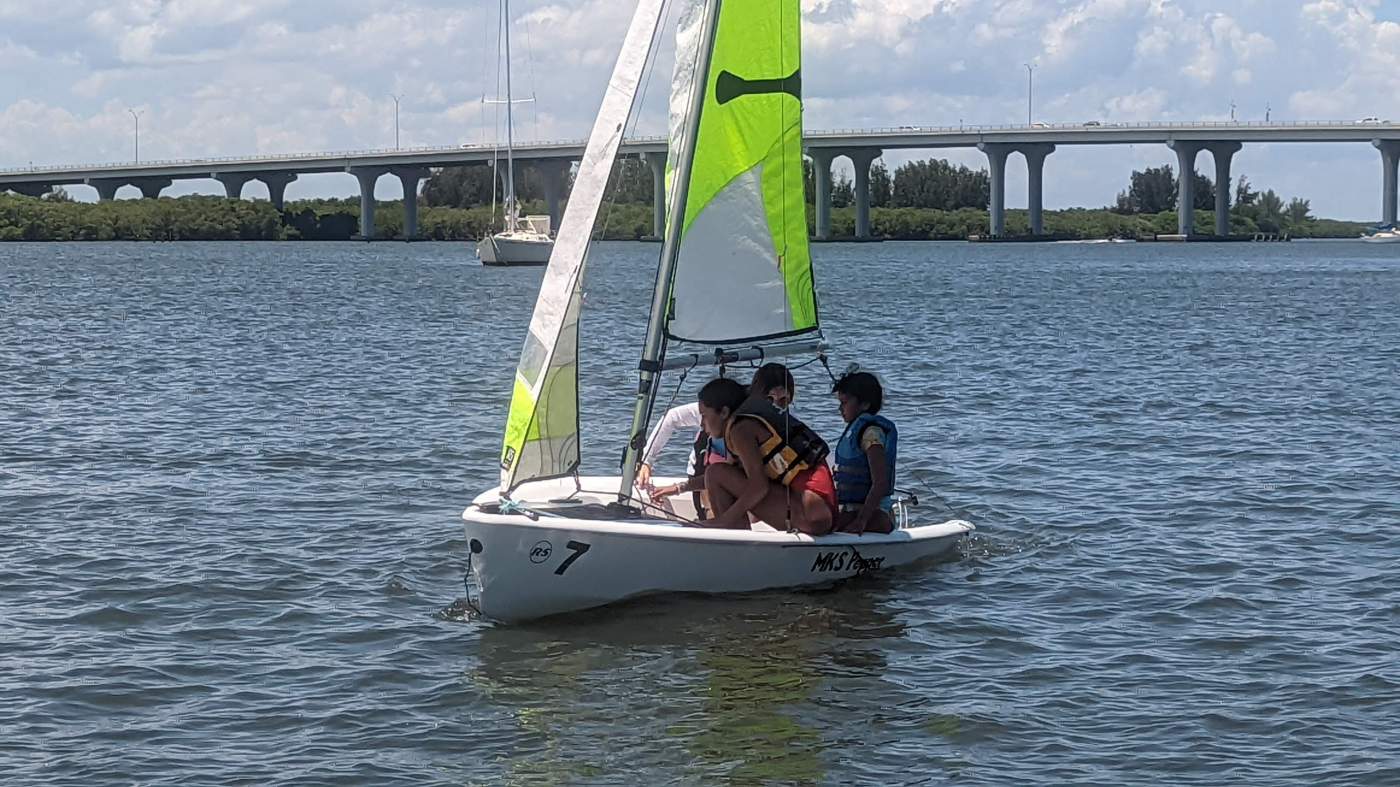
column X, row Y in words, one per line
column 530, row 59
column 496, row 116
column 651, row 505
column 680, row 382
column 919, row 474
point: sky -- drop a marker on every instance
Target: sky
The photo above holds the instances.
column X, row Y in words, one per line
column 235, row 77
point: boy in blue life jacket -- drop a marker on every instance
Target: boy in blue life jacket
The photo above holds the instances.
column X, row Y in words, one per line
column 865, row 457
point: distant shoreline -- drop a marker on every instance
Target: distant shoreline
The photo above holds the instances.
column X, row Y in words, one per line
column 204, row 218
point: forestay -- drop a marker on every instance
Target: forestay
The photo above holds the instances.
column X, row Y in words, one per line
column 541, row 437
column 744, row 271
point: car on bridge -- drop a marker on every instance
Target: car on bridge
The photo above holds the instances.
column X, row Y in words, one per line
column 1372, row 119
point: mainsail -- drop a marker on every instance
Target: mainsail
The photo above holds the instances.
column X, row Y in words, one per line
column 541, row 437
column 743, row 271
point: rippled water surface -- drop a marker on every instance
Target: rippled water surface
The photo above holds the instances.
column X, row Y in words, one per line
column 230, row 481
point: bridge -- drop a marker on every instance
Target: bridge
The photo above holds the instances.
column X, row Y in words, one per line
column 553, row 161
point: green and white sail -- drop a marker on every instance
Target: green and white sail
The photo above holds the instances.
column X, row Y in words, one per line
column 541, row 437
column 744, row 270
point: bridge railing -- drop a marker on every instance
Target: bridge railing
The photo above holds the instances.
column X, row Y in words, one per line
column 1090, row 126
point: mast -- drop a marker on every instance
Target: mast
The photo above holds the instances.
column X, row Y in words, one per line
column 510, row 127
column 654, row 347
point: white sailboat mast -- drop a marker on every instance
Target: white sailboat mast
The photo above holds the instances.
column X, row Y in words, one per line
column 510, row 126
column 654, row 349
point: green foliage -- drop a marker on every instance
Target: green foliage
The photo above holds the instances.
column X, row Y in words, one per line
column 629, row 183
column 186, row 218
column 935, row 183
column 1298, row 212
column 1244, row 195
column 216, row 218
column 459, row 187
column 881, row 187
column 1152, row 190
column 843, row 191
column 470, row 187
column 1203, row 193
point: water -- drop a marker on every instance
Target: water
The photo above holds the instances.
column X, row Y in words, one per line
column 230, row 477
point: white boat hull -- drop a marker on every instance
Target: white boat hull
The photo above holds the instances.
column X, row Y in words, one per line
column 1382, row 237
column 525, row 568
column 514, row 249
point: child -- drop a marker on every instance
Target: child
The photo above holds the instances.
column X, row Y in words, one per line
column 777, row 470
column 865, row 457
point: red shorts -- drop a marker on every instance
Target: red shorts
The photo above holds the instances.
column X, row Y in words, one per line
column 818, row 480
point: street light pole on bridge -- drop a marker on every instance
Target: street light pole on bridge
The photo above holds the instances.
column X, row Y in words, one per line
column 1030, row 90
column 136, row 116
column 396, row 119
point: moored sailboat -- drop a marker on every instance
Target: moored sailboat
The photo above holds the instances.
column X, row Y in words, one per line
column 734, row 272
column 521, row 241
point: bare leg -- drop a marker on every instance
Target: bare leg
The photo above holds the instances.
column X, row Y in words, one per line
column 805, row 512
column 723, row 483
column 781, row 508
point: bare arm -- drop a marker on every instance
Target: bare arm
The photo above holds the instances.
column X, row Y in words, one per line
column 745, row 448
column 879, row 486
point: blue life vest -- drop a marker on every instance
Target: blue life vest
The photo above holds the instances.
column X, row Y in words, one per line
column 852, row 466
column 706, row 447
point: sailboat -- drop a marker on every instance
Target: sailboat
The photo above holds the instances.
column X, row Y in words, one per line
column 521, row 241
column 1385, row 233
column 734, row 281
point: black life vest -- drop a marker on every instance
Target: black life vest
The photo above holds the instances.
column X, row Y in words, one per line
column 790, row 446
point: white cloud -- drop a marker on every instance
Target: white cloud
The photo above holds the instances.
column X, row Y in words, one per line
column 226, row 77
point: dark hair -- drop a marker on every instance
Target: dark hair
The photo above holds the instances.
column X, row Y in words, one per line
column 722, row 392
column 770, row 376
column 864, row 387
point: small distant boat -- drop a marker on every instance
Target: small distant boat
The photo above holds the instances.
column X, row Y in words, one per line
column 521, row 241
column 1383, row 234
column 524, row 242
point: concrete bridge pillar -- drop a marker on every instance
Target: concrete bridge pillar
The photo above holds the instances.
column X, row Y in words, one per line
column 150, row 187
column 996, row 164
column 409, row 178
column 1035, row 197
column 276, row 183
column 553, row 175
column 1390, row 158
column 1223, row 152
column 821, row 173
column 861, row 160
column 657, row 162
column 233, row 183
column 367, row 176
column 106, row 188
column 1186, row 185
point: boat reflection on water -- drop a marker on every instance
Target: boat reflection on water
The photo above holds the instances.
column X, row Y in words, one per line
column 707, row 689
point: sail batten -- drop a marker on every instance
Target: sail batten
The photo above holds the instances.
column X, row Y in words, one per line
column 541, row 436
